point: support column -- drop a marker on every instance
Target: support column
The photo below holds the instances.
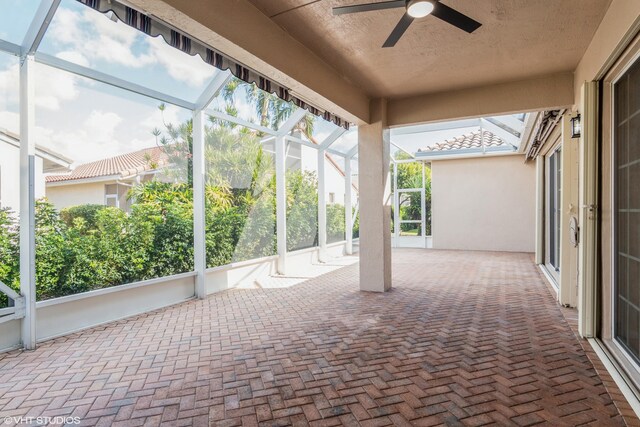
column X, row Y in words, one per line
column 27, row 202
column 322, row 207
column 375, row 212
column 348, row 206
column 281, row 203
column 199, row 240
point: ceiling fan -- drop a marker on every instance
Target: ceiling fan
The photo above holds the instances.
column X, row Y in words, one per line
column 415, row 9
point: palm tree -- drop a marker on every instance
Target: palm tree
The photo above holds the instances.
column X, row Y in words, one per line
column 271, row 110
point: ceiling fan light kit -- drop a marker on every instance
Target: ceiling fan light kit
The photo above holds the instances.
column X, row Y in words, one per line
column 419, row 8
column 414, row 9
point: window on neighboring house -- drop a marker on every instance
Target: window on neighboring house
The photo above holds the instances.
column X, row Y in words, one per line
column 111, row 195
column 332, row 198
column 116, row 195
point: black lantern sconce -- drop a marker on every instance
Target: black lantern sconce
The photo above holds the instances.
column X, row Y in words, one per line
column 576, row 126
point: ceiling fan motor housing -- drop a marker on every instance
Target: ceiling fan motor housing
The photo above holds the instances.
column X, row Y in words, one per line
column 419, row 8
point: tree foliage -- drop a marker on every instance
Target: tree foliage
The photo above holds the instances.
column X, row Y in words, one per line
column 87, row 247
column 410, row 176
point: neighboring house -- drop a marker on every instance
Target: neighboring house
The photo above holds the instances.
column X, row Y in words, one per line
column 105, row 182
column 482, row 194
column 46, row 161
column 334, row 174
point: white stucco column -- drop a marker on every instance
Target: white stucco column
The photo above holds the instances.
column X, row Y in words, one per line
column 375, row 212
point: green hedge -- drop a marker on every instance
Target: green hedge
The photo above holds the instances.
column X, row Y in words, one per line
column 9, row 255
column 89, row 247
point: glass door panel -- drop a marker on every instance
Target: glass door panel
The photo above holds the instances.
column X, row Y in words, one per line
column 627, row 211
column 553, row 212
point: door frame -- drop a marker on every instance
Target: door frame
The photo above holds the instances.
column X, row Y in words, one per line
column 399, row 241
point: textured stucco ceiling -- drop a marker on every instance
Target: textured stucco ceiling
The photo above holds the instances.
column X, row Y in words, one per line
column 519, row 39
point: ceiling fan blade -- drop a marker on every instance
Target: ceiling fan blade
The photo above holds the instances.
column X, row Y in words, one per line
column 398, row 31
column 455, row 18
column 369, row 7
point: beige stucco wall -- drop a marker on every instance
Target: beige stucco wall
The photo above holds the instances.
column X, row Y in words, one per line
column 616, row 30
column 77, row 194
column 540, row 93
column 483, row 204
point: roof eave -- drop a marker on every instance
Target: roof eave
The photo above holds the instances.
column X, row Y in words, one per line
column 466, row 153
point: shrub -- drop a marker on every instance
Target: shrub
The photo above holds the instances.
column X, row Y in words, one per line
column 302, row 210
column 87, row 212
column 9, row 254
column 335, row 223
column 356, row 225
column 50, row 249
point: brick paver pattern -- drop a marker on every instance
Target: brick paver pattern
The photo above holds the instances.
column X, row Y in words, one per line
column 464, row 338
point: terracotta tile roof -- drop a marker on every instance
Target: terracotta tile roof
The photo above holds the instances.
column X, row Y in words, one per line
column 122, row 166
column 467, row 141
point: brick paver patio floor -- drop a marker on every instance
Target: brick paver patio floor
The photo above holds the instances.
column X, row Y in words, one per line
column 464, row 338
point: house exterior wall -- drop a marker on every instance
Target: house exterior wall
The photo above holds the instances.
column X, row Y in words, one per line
column 334, row 180
column 483, row 204
column 76, row 194
column 10, row 177
column 334, row 184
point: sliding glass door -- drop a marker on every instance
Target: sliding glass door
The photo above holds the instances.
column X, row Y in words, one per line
column 553, row 213
column 626, row 210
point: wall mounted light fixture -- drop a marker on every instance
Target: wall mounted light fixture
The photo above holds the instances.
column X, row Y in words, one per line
column 576, row 126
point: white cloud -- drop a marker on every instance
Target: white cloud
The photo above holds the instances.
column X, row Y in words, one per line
column 92, row 139
column 75, row 57
column 10, row 121
column 142, row 143
column 53, row 87
column 9, row 83
column 102, row 125
column 91, row 37
column 157, row 119
column 185, row 68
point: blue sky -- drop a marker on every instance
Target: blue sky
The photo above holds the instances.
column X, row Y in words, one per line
column 15, row 18
column 86, row 120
